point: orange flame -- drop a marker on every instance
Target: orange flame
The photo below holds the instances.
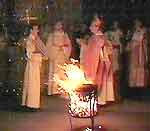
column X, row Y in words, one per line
column 74, row 77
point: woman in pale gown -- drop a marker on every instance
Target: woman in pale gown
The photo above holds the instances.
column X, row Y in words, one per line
column 31, row 87
column 138, row 57
column 59, row 51
column 97, row 64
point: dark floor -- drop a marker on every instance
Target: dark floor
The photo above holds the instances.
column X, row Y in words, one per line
column 130, row 115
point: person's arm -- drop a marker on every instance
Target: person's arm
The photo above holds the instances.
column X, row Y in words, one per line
column 29, row 47
column 49, row 45
column 41, row 46
column 67, row 46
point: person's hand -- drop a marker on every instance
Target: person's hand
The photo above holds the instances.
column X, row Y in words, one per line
column 33, row 37
column 78, row 41
column 65, row 45
column 45, row 58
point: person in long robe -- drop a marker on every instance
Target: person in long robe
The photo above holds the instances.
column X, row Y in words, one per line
column 97, row 63
column 105, row 78
column 114, row 36
column 138, row 57
column 59, row 51
column 31, row 87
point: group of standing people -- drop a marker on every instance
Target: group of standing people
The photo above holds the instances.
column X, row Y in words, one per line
column 99, row 58
column 57, row 50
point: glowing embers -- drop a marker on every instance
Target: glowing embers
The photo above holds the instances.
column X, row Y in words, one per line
column 83, row 101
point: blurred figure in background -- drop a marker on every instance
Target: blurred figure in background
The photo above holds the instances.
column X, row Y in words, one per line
column 59, row 51
column 114, row 36
column 138, row 57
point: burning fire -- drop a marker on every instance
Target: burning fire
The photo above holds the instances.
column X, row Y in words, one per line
column 75, row 78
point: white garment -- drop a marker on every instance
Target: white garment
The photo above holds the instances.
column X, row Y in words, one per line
column 59, row 51
column 31, row 87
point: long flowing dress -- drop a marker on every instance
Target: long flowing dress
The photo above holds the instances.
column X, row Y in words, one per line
column 59, row 51
column 98, row 67
column 138, row 60
column 31, row 87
